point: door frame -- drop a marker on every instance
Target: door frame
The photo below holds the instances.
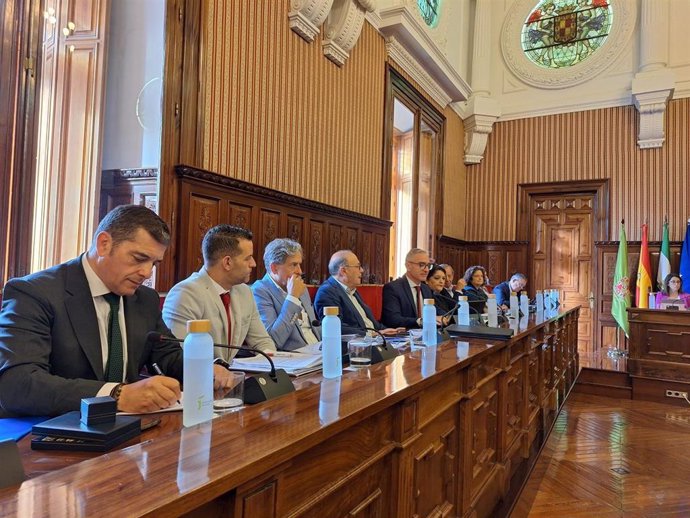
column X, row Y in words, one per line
column 600, row 224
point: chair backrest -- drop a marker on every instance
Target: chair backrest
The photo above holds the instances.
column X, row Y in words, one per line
column 12, row 472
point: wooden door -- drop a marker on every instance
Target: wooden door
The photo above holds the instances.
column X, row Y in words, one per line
column 69, row 136
column 561, row 253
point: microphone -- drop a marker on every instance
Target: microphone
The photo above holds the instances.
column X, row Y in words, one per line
column 260, row 387
column 381, row 352
column 315, row 323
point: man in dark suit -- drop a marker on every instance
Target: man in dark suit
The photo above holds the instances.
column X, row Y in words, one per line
column 403, row 298
column 79, row 329
column 517, row 283
column 341, row 290
column 282, row 298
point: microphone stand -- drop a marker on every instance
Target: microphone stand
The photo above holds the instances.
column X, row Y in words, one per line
column 381, row 352
column 257, row 388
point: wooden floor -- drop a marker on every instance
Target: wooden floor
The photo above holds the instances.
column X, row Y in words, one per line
column 612, row 458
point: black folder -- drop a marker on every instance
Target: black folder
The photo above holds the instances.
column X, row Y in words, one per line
column 67, row 432
column 487, row 333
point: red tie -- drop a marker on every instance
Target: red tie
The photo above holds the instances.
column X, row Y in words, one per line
column 225, row 297
column 419, row 300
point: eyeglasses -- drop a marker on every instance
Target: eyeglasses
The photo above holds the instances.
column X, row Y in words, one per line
column 422, row 266
column 359, row 266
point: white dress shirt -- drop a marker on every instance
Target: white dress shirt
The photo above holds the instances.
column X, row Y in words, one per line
column 303, row 322
column 351, row 295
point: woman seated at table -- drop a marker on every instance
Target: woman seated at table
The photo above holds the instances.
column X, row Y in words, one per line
column 673, row 291
column 436, row 280
column 476, row 279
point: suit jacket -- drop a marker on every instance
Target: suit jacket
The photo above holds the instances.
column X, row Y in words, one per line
column 331, row 293
column 196, row 298
column 280, row 316
column 502, row 292
column 399, row 308
column 50, row 346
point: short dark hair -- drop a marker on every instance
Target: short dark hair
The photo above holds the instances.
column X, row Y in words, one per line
column 435, row 268
column 123, row 222
column 223, row 240
column 470, row 272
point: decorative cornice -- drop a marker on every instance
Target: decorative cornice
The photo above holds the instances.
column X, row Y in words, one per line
column 184, row 171
column 624, row 18
column 651, row 92
column 482, row 112
column 409, row 44
column 343, row 28
column 133, row 173
column 397, row 52
column 306, row 16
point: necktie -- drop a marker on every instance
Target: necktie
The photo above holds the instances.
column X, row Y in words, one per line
column 419, row 300
column 114, row 367
column 225, row 297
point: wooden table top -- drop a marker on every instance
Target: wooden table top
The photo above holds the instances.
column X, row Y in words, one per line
column 152, row 472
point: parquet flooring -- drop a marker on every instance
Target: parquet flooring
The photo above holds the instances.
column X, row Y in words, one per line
column 611, row 457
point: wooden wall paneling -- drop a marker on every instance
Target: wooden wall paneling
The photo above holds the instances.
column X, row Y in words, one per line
column 239, row 215
column 317, row 257
column 381, row 244
column 350, row 241
column 366, row 255
column 269, row 229
column 295, row 229
column 203, row 212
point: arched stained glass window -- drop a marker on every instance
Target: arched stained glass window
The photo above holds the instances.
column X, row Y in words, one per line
column 429, row 10
column 562, row 33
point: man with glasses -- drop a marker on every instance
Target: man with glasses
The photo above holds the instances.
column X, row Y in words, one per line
column 517, row 283
column 403, row 298
column 341, row 290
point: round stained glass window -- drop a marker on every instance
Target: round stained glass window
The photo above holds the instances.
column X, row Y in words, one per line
column 563, row 33
column 429, row 11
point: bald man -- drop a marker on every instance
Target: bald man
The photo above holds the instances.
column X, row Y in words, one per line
column 341, row 290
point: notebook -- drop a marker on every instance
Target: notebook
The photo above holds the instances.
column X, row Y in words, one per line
column 487, row 333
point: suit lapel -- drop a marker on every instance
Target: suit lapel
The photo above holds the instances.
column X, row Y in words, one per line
column 133, row 323
column 306, row 304
column 82, row 316
column 217, row 304
column 408, row 294
column 348, row 303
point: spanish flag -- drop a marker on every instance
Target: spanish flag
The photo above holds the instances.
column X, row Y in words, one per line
column 644, row 277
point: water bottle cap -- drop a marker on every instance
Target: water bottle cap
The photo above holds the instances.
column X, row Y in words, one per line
column 331, row 310
column 198, row 326
column 464, row 297
column 524, row 292
column 491, row 296
column 428, row 302
column 512, row 293
column 538, row 291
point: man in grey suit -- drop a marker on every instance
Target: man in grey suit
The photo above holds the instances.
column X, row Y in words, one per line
column 282, row 297
column 218, row 292
column 79, row 329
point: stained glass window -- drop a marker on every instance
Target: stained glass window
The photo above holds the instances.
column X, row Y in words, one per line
column 429, row 10
column 562, row 33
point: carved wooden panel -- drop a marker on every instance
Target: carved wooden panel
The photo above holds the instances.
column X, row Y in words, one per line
column 260, row 502
column 239, row 215
column 514, row 403
column 85, row 16
column 269, row 214
column 317, row 258
column 484, row 425
column 204, row 214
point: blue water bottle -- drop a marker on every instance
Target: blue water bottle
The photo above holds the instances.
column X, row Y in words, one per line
column 492, row 309
column 197, row 360
column 331, row 348
column 429, row 322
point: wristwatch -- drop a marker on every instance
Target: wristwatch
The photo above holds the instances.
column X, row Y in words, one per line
column 221, row 362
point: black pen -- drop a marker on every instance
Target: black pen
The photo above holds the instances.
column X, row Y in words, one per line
column 159, row 372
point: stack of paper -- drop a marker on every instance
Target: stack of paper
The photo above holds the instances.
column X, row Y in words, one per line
column 294, row 363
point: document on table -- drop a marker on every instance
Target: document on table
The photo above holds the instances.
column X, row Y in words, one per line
column 294, row 363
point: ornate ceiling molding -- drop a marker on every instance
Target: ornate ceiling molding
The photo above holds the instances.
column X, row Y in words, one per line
column 651, row 92
column 343, row 28
column 409, row 45
column 306, row 16
column 624, row 19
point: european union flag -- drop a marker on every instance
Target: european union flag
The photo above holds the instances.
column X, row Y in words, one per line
column 685, row 260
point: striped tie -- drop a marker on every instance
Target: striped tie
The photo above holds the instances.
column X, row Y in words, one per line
column 114, row 367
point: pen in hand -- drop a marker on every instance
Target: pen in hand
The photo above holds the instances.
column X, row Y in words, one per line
column 159, row 372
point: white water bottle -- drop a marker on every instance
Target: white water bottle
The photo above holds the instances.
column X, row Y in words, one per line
column 331, row 348
column 547, row 303
column 197, row 358
column 429, row 322
column 555, row 295
column 524, row 303
column 540, row 301
column 493, row 310
column 463, row 311
column 513, row 305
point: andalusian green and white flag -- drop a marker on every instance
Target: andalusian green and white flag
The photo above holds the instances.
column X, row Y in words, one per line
column 664, row 258
column 621, row 284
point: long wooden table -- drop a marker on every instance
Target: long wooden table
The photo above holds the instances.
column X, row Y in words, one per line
column 439, row 431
